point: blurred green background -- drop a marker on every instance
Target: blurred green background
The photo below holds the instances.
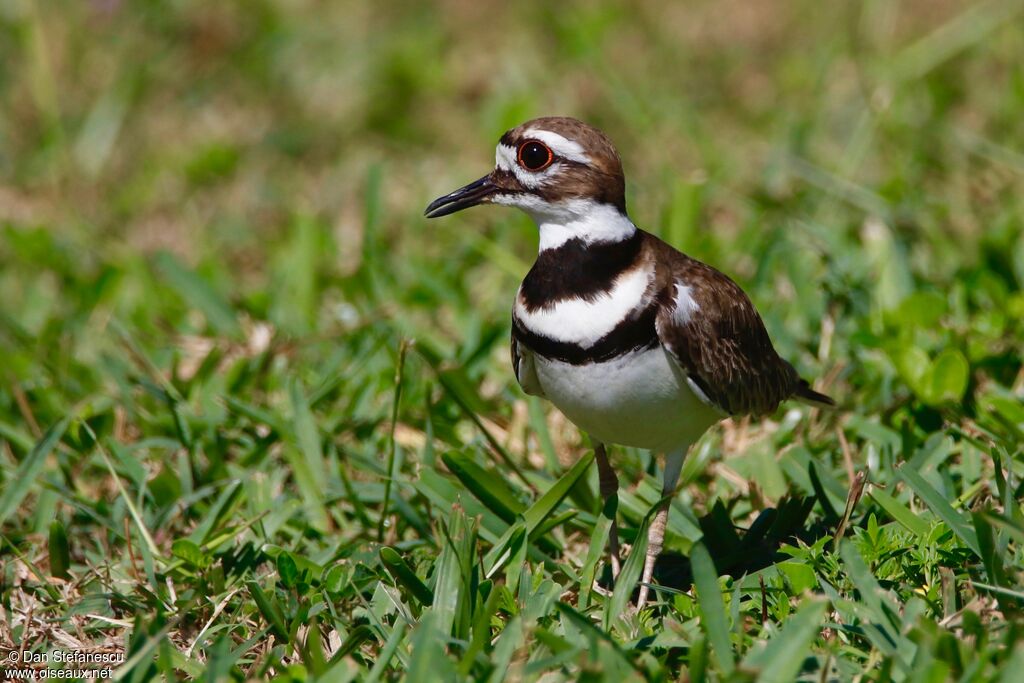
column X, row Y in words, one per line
column 213, row 260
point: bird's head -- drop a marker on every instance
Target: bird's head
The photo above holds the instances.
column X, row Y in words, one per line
column 556, row 169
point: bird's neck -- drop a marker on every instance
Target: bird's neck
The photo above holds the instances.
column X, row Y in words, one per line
column 584, row 221
column 578, row 265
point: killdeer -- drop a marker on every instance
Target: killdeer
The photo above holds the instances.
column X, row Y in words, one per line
column 635, row 342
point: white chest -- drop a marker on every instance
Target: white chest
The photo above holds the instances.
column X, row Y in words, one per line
column 582, row 321
column 641, row 399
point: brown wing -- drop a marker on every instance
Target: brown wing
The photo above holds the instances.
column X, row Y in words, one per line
column 719, row 340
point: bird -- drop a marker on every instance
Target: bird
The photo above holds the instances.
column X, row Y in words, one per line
column 635, row 342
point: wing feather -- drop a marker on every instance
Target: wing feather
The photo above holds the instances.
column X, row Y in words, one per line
column 712, row 330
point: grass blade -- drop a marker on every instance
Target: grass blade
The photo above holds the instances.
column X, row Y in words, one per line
column 629, row 576
column 487, row 486
column 451, row 588
column 941, row 507
column 428, row 661
column 598, row 545
column 387, row 652
column 508, row 642
column 882, row 623
column 465, row 399
column 306, row 458
column 899, row 512
column 481, row 630
column 594, row 636
column 19, row 483
column 546, row 504
column 60, row 553
column 819, row 491
column 196, row 292
column 712, row 608
column 506, row 547
column 536, row 514
column 396, row 402
column 270, row 610
column 780, row 660
column 403, row 575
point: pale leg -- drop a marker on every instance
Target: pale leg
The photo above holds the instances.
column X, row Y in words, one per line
column 656, row 531
column 609, row 488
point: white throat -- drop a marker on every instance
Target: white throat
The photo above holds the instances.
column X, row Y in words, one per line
column 582, row 219
column 590, row 222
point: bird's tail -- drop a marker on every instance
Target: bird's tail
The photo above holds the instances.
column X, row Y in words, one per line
column 809, row 396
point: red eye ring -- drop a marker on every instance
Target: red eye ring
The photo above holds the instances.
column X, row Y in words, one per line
column 534, row 155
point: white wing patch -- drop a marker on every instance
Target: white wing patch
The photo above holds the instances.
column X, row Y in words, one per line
column 686, row 306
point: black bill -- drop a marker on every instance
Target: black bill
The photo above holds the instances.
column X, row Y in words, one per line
column 463, row 198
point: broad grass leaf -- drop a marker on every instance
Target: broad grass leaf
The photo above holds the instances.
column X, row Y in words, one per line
column 550, row 524
column 881, row 622
column 481, row 634
column 922, row 309
column 991, row 557
column 489, row 488
column 428, row 661
column 800, row 575
column 1015, row 664
column 293, row 294
column 506, row 547
column 59, row 550
column 597, row 549
column 629, row 576
column 443, row 492
column 198, row 294
column 186, row 550
column 21, row 481
column 270, row 609
column 781, row 659
column 450, row 587
column 388, row 651
column 915, row 367
column 305, row 456
column 956, row 521
column 899, row 512
column 287, row 570
column 405, row 577
column 888, row 259
column 356, row 637
column 712, row 607
column 546, row 504
column 509, row 641
column 599, row 644
column 948, row 379
column 213, row 519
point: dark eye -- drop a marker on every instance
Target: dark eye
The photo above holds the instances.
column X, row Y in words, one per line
column 534, row 156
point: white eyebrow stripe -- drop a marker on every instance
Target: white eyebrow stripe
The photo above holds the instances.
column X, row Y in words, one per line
column 505, row 157
column 561, row 146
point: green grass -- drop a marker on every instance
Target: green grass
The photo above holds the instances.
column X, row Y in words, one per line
column 256, row 414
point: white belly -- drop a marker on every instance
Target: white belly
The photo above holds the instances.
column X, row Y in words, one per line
column 642, row 400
